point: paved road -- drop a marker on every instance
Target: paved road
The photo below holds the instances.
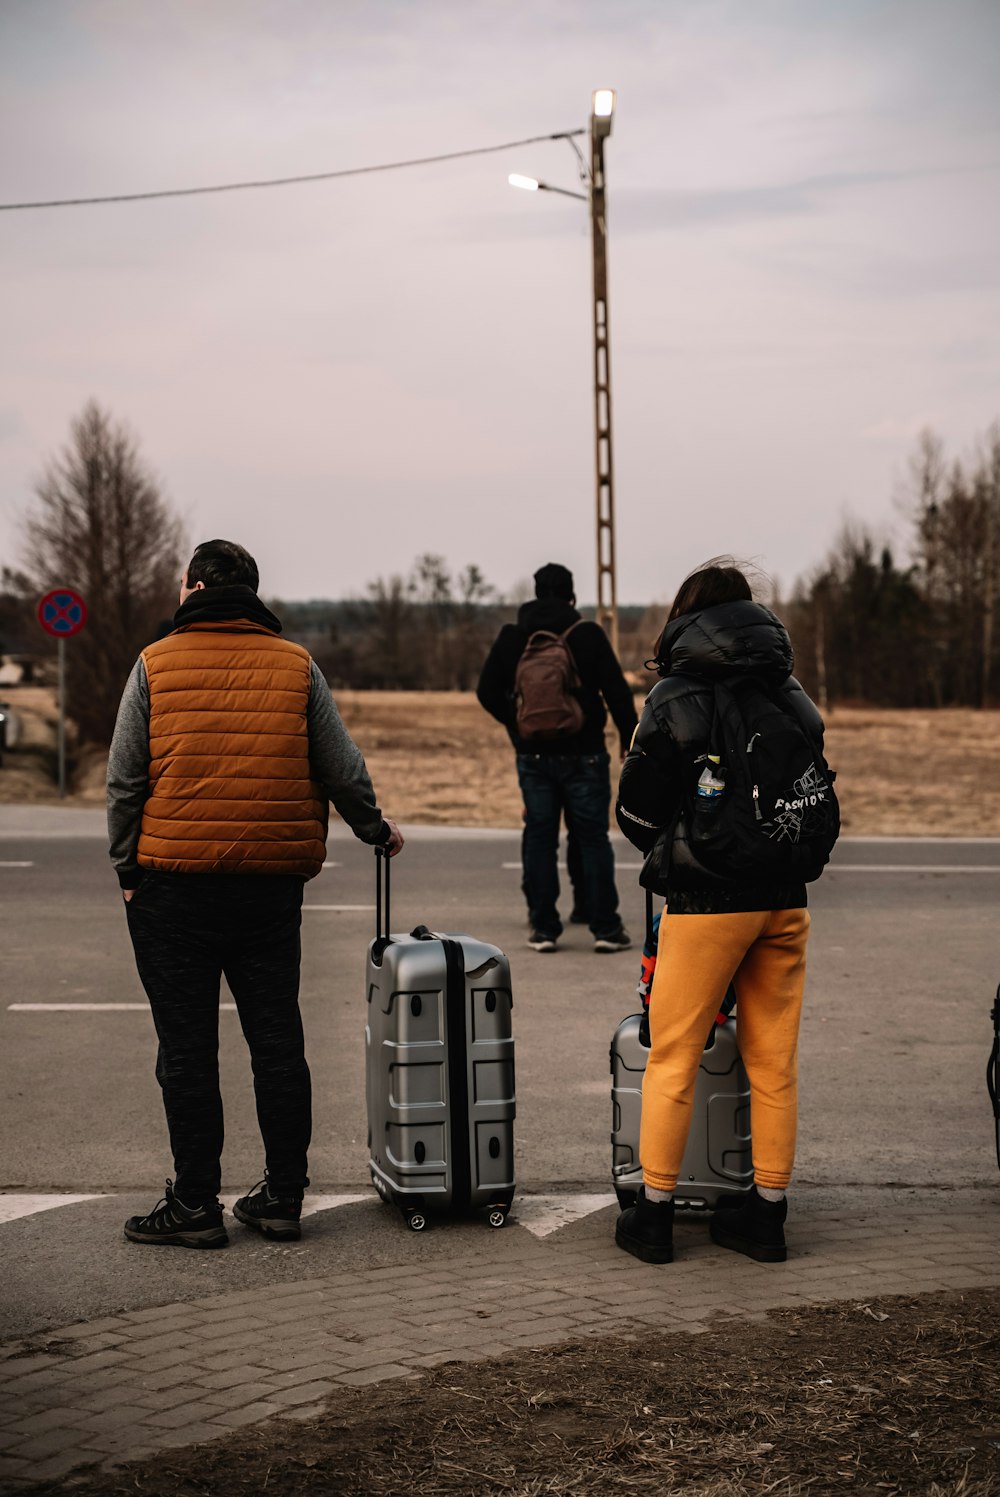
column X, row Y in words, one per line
column 125, row 1350
column 903, row 962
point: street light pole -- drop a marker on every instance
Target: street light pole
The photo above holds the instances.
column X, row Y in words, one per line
column 601, row 114
column 607, row 589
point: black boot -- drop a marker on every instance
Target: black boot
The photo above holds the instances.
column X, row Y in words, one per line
column 755, row 1227
column 646, row 1230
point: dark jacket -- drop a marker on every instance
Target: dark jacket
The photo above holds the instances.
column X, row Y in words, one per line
column 674, row 730
column 597, row 665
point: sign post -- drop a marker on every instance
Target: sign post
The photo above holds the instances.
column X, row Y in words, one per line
column 62, row 613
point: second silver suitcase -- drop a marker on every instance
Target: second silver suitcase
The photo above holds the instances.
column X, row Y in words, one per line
column 717, row 1161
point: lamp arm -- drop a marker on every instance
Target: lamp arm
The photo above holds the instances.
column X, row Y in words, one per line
column 581, row 197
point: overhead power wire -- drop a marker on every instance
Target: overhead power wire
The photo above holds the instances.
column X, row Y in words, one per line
column 350, row 171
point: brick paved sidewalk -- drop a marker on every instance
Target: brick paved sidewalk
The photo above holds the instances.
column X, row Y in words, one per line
column 179, row 1374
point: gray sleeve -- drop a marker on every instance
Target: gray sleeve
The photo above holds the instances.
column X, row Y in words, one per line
column 338, row 765
column 128, row 776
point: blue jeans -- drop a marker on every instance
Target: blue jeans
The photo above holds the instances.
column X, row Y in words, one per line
column 579, row 787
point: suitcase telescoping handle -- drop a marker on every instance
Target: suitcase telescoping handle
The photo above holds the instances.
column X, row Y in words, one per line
column 993, row 1069
column 382, row 878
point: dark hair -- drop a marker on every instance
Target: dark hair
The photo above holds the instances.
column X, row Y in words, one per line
column 554, row 581
column 711, row 584
column 222, row 564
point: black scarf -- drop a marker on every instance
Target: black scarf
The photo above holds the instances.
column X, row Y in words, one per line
column 223, row 605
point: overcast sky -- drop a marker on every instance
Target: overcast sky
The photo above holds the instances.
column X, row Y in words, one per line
column 804, row 248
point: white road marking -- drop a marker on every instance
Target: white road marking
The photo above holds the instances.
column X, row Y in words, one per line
column 332, row 865
column 16, row 865
column 540, row 1215
column 14, row 1206
column 913, row 868
column 313, row 1204
column 338, row 907
column 547, row 1213
column 625, row 867
column 847, row 867
column 943, row 841
column 88, row 1008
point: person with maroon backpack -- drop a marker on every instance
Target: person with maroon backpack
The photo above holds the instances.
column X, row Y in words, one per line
column 551, row 679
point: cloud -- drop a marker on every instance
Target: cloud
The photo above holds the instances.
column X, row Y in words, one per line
column 652, row 210
column 898, row 431
column 11, row 423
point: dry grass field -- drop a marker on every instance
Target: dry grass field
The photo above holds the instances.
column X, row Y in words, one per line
column 436, row 758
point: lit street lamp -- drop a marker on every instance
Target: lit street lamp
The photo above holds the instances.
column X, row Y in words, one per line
column 601, row 115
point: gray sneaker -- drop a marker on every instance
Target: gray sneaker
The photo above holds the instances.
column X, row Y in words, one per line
column 619, row 940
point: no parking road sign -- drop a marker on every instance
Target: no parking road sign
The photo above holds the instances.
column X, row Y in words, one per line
column 62, row 612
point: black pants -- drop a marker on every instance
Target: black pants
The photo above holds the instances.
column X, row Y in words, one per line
column 188, row 930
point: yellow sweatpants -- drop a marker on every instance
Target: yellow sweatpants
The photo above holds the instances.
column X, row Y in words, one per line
column 764, row 953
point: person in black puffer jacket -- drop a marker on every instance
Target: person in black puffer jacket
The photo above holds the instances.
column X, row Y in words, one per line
column 714, row 931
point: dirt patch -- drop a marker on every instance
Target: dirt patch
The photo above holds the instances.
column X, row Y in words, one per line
column 898, row 1396
column 907, row 774
column 438, row 759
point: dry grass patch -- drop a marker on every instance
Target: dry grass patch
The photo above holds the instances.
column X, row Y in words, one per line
column 907, row 774
column 900, row 1396
column 438, row 759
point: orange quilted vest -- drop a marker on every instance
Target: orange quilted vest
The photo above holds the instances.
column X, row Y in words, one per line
column 230, row 785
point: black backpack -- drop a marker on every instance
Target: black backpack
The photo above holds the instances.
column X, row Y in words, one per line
column 778, row 817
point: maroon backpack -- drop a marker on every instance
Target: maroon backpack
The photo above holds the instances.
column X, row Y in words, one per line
column 545, row 686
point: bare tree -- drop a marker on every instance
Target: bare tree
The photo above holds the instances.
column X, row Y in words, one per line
column 393, row 661
column 427, row 631
column 473, row 626
column 857, row 625
column 956, row 509
column 101, row 526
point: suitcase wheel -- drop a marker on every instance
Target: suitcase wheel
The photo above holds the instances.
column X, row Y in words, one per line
column 498, row 1215
column 626, row 1198
column 415, row 1220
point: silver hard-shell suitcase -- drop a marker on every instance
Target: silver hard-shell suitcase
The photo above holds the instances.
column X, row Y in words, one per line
column 439, row 1071
column 717, row 1161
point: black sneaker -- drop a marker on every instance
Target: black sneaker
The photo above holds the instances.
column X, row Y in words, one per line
column 618, row 940
column 756, row 1227
column 172, row 1224
column 538, row 941
column 646, row 1230
column 270, row 1212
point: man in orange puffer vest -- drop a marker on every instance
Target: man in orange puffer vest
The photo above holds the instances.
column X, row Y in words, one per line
column 227, row 750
